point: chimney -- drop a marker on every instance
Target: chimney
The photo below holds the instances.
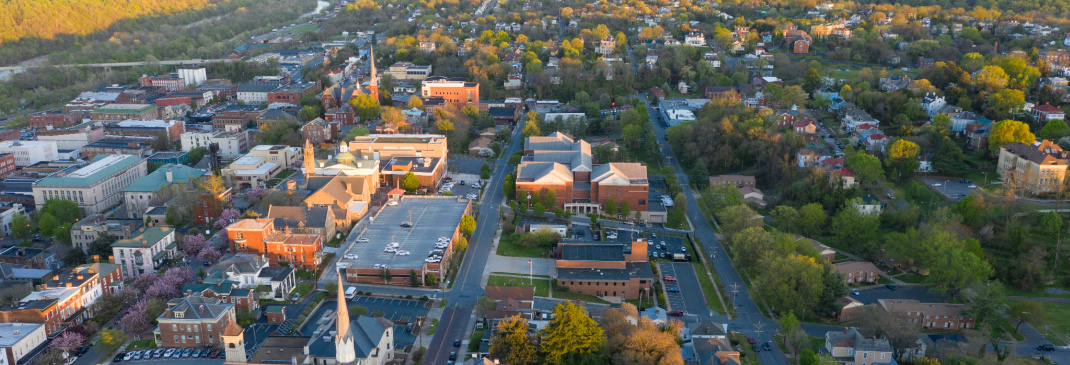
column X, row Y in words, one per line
column 170, row 176
column 16, row 332
column 200, row 308
column 707, row 330
column 142, row 229
column 145, row 242
column 845, row 330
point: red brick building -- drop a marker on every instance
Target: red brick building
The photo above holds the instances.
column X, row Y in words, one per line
column 111, row 275
column 193, row 322
column 455, row 91
column 559, row 163
column 276, row 314
column 227, row 291
column 930, row 315
column 210, row 207
column 319, row 131
column 797, row 41
column 56, row 120
column 292, row 93
column 856, row 272
column 343, row 115
column 605, row 270
column 7, row 165
column 258, row 236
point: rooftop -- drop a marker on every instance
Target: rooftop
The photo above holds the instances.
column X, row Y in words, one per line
column 631, row 270
column 158, row 179
column 591, row 252
column 431, row 217
column 102, row 167
column 148, row 237
column 12, row 333
column 125, row 108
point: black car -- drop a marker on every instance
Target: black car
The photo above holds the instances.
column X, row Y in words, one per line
column 890, row 287
column 118, row 357
column 1046, row 347
column 765, row 346
column 453, row 356
column 82, row 351
column 456, row 343
column 406, row 225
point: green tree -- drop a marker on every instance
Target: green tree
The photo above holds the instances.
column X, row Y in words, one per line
column 414, row 279
column 794, row 95
column 866, row 167
column 65, row 211
column 1007, row 132
column 46, row 224
column 787, row 217
column 509, row 186
column 795, row 339
column 571, row 331
column 410, row 182
column 549, row 198
column 365, row 107
column 832, row 290
column 610, row 207
column 811, row 218
column 308, row 113
column 941, row 124
column 812, row 80
column 538, row 209
column 1027, row 311
column 172, row 216
column 809, row 358
column 790, row 284
column 625, row 209
column 737, row 218
column 416, row 102
column 991, row 79
column 851, row 227
column 513, row 343
column 20, row 226
column 1002, row 103
column 948, row 157
column 484, row 171
column 484, row 304
column 468, row 225
column 196, row 154
column 1054, row 129
column 63, row 233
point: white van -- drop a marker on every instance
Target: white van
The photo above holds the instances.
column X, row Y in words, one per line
column 351, row 292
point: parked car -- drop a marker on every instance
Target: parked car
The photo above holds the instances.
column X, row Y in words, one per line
column 855, row 292
column 118, row 357
column 350, row 256
column 456, row 343
column 890, row 286
column 392, row 203
column 169, row 352
column 673, row 290
column 752, row 341
column 406, row 225
column 453, row 356
column 676, row 313
column 1046, row 347
column 669, row 278
column 363, row 240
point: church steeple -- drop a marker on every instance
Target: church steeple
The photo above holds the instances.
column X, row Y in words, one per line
column 310, row 159
column 373, row 84
column 344, row 345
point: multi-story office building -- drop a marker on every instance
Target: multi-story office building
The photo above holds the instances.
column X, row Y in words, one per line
column 30, row 152
column 95, row 187
column 455, row 91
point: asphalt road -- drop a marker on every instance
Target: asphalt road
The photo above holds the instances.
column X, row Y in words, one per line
column 457, row 316
column 749, row 315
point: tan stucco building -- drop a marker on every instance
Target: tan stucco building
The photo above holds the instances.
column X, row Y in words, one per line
column 1039, row 167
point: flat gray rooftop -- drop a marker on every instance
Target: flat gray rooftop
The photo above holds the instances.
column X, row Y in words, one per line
column 432, row 218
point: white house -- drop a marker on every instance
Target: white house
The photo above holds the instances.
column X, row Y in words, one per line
column 20, row 339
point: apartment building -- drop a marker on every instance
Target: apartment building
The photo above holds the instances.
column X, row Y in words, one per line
column 7, row 165
column 30, row 257
column 52, row 119
column 425, row 155
column 856, row 272
column 95, row 187
column 604, row 270
column 236, row 117
column 194, row 322
column 930, row 315
column 145, row 251
column 20, row 342
column 91, row 227
column 86, row 280
column 110, row 275
column 259, row 236
column 848, row 347
column 305, row 220
column 56, row 308
column 30, row 152
column 1039, row 167
column 230, row 143
column 454, row 91
column 127, row 112
column 558, row 162
column 157, row 188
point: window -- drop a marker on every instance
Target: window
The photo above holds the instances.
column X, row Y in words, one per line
column 865, row 355
column 883, row 355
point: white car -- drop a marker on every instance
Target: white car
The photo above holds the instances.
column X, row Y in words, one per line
column 350, row 256
column 363, row 240
column 392, row 203
column 403, row 253
column 390, row 250
column 972, row 186
column 443, row 239
column 936, row 184
column 378, row 266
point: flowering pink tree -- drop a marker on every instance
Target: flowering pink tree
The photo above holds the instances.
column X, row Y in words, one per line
column 143, row 282
column 69, row 341
column 209, row 254
column 226, row 217
column 192, row 244
column 170, row 284
column 255, row 194
column 137, row 320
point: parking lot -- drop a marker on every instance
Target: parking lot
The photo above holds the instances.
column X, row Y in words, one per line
column 430, row 217
column 950, row 187
column 393, row 309
column 689, row 299
column 658, row 245
column 170, row 360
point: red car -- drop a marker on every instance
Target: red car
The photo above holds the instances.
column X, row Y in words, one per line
column 669, row 278
column 752, row 341
column 676, row 313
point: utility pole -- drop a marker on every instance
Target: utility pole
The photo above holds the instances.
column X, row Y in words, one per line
column 758, row 328
column 735, row 289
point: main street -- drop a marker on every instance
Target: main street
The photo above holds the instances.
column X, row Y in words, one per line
column 749, row 316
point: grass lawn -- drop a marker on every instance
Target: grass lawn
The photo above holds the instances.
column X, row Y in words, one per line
column 577, row 296
column 473, row 342
column 646, row 302
column 520, row 274
column 707, row 288
column 301, row 289
column 913, row 279
column 434, row 326
column 542, row 286
column 816, row 343
column 142, row 344
column 917, row 193
column 303, row 28
column 506, row 247
column 1057, row 329
column 746, row 351
column 883, row 280
column 1040, row 292
column 305, row 274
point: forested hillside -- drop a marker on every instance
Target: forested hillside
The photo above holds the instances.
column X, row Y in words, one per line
column 47, row 18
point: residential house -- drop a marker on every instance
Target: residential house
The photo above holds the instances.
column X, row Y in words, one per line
column 848, row 347
column 695, row 39
column 91, row 227
column 1045, row 112
column 320, row 131
column 22, row 342
column 855, row 272
column 895, row 82
column 259, row 236
column 797, row 41
column 194, row 322
column 145, row 251
column 304, row 219
column 932, row 103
